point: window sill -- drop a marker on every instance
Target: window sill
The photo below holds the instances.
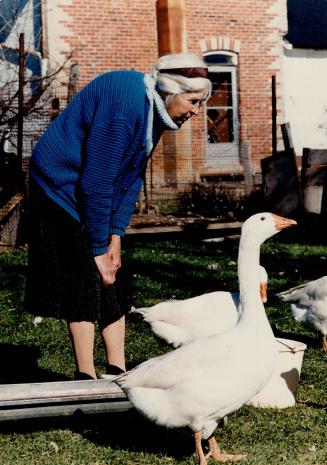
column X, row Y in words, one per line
column 225, row 170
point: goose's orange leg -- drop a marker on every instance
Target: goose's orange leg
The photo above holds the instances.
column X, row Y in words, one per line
column 324, row 343
column 216, row 454
column 198, row 448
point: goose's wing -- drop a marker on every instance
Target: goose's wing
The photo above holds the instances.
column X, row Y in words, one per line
column 202, row 315
column 179, row 311
column 183, row 388
column 316, row 316
column 317, row 290
column 180, row 322
column 166, row 370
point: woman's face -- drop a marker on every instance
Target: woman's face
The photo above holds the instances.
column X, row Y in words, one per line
column 183, row 106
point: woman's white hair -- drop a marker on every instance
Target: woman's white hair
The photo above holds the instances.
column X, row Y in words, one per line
column 174, row 84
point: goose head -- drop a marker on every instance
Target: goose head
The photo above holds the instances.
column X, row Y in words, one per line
column 255, row 231
column 262, row 226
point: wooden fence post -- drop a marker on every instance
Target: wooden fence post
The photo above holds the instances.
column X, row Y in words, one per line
column 313, row 177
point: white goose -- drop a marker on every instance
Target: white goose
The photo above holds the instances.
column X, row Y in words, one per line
column 179, row 322
column 309, row 305
column 196, row 385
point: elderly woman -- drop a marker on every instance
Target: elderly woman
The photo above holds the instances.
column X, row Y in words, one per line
column 85, row 177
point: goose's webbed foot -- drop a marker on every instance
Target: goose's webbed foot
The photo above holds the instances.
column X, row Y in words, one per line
column 216, row 454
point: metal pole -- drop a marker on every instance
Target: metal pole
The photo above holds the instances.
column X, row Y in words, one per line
column 273, row 115
column 21, row 82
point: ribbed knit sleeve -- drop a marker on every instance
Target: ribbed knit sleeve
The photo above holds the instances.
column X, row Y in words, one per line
column 120, row 219
column 106, row 145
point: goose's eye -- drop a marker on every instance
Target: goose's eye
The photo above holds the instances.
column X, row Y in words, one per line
column 263, row 218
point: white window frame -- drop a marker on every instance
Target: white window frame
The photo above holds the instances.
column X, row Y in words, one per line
column 225, row 153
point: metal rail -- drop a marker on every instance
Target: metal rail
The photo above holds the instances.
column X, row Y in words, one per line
column 64, row 398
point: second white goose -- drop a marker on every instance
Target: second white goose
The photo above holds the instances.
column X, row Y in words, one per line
column 179, row 322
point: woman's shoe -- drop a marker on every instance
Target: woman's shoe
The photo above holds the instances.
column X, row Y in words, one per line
column 112, row 372
column 80, row 376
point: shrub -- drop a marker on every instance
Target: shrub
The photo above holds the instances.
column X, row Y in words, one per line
column 210, row 200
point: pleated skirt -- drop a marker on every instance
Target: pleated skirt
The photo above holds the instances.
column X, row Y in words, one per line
column 62, row 280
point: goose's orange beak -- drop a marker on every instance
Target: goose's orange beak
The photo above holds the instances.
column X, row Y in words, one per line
column 282, row 223
column 263, row 292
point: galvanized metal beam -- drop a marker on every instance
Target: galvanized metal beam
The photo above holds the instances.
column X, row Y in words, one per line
column 64, row 398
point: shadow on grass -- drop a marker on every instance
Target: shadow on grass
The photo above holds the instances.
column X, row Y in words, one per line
column 20, row 365
column 314, row 405
column 127, row 431
column 130, row 431
column 310, row 230
column 310, row 341
column 10, row 273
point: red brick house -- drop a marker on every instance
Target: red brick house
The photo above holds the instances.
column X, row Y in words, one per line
column 244, row 42
column 241, row 40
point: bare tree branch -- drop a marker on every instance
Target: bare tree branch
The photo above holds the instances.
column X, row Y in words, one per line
column 9, row 72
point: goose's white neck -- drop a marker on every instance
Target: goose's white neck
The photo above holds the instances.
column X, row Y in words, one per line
column 251, row 306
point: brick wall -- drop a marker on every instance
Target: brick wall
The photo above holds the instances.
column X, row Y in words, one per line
column 114, row 34
column 122, row 34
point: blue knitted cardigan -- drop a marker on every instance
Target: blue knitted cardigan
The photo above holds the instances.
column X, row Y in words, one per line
column 91, row 159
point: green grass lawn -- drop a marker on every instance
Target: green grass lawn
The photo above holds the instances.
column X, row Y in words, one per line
column 161, row 270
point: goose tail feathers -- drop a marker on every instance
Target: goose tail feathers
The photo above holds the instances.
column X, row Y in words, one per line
column 144, row 311
column 291, row 293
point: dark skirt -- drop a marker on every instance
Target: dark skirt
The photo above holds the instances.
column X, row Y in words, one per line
column 63, row 281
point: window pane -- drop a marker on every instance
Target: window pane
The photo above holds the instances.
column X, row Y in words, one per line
column 220, row 125
column 221, row 90
column 219, row 59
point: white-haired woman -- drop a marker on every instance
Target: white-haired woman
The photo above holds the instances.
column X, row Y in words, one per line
column 85, row 176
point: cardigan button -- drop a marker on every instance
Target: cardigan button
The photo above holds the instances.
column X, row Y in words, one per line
column 124, row 189
column 142, row 146
column 114, row 210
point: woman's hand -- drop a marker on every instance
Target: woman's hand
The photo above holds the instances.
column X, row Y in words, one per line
column 110, row 262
